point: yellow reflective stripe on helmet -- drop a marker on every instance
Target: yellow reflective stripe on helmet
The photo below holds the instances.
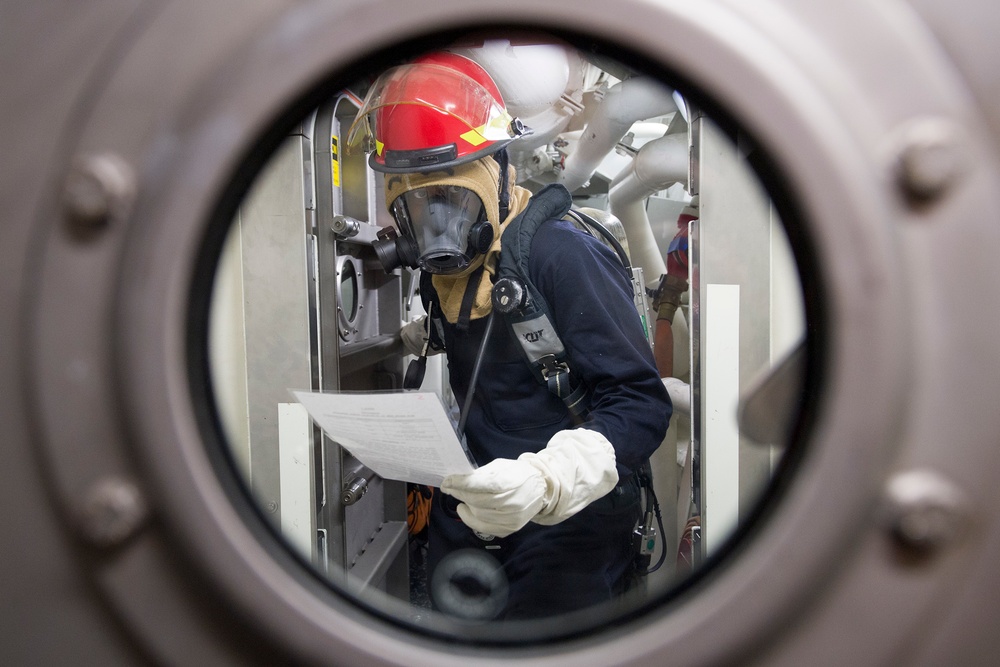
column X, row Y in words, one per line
column 379, row 146
column 495, row 129
column 474, row 137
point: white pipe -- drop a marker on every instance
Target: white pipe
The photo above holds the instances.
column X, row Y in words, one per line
column 658, row 165
column 624, row 104
column 642, row 247
column 531, row 77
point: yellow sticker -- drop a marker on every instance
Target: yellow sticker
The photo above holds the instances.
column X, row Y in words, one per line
column 334, row 163
column 474, row 137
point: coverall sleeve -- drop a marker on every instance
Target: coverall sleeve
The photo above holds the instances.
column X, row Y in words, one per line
column 590, row 297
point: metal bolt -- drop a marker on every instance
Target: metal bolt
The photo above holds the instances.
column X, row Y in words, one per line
column 925, row 511
column 345, row 226
column 113, row 511
column 99, row 188
column 929, row 159
column 353, row 492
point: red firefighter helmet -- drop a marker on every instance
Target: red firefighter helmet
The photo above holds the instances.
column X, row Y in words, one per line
column 441, row 110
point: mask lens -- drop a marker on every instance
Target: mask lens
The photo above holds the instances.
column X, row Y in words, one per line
column 439, row 218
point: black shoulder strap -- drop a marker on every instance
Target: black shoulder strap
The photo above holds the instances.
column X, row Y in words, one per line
column 551, row 202
column 525, row 309
column 432, row 306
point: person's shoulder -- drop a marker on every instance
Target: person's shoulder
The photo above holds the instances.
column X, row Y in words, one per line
column 559, row 248
column 560, row 235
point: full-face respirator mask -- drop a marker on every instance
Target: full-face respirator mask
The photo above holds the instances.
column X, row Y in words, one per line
column 442, row 229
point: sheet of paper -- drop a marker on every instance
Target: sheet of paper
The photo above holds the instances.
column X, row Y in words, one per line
column 405, row 436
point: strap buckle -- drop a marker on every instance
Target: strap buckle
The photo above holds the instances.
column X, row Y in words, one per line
column 552, row 367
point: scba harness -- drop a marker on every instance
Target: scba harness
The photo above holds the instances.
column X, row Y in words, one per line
column 525, row 309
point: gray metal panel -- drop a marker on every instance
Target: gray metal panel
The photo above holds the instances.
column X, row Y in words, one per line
column 356, row 178
column 363, row 519
column 276, row 289
column 359, row 352
column 693, row 471
column 733, row 248
column 376, row 560
column 331, row 514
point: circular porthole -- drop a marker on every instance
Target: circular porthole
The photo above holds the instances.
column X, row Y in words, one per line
column 681, row 184
column 242, row 274
column 350, row 297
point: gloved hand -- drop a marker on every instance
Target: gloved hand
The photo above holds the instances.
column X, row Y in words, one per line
column 414, row 335
column 576, row 468
column 680, row 395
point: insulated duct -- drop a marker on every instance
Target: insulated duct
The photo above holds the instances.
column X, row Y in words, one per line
column 658, row 165
column 624, row 104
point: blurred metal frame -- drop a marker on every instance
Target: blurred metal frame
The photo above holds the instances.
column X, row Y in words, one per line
column 893, row 168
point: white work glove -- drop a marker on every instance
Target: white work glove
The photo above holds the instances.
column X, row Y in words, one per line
column 576, row 468
column 415, row 335
column 680, row 395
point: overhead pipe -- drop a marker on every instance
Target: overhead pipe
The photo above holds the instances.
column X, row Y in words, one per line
column 657, row 165
column 625, row 103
